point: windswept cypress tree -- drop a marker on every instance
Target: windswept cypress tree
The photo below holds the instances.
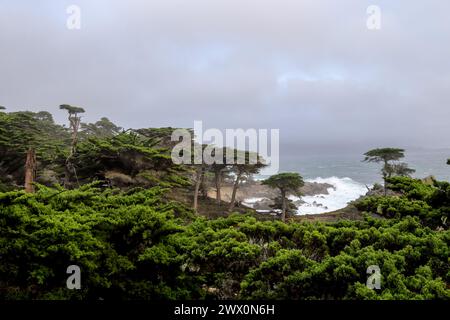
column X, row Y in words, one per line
column 245, row 164
column 389, row 169
column 287, row 182
column 74, row 122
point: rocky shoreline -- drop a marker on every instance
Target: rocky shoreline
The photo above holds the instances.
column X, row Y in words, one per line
column 260, row 196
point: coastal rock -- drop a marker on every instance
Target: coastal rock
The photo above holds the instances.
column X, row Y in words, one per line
column 263, row 204
column 315, row 188
column 254, row 189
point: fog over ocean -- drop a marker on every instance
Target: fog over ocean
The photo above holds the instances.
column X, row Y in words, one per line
column 426, row 162
column 350, row 176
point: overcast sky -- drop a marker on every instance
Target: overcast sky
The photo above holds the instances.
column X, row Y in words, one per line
column 311, row 68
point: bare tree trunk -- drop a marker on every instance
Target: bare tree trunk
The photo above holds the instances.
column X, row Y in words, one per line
column 385, row 177
column 283, row 206
column 203, row 187
column 74, row 121
column 30, row 171
column 198, row 180
column 233, row 195
column 67, row 174
column 218, row 178
column 385, row 180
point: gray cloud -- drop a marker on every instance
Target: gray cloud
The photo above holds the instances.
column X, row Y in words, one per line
column 310, row 67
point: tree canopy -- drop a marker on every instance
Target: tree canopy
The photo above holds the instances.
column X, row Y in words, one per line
column 134, row 236
column 71, row 109
column 103, row 128
column 384, row 155
column 288, row 182
column 389, row 169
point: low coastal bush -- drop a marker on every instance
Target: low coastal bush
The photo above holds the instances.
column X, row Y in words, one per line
column 140, row 245
column 429, row 202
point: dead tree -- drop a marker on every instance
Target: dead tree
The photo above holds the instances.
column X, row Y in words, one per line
column 30, row 171
column 74, row 123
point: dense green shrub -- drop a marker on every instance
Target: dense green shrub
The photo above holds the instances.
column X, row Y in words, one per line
column 431, row 203
column 140, row 245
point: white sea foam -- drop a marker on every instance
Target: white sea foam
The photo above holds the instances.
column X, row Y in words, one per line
column 344, row 190
column 251, row 201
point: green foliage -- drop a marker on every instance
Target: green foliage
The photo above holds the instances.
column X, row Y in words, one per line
column 139, row 245
column 411, row 188
column 398, row 169
column 136, row 242
column 158, row 137
column 20, row 131
column 112, row 236
column 430, row 203
column 103, row 128
column 389, row 169
column 72, row 110
column 410, row 269
column 287, row 182
column 128, row 158
column 384, row 155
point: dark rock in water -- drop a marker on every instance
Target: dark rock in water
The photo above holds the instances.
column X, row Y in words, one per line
column 263, row 204
column 298, row 203
column 316, row 204
column 315, row 188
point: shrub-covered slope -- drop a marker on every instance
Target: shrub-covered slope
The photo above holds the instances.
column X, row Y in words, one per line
column 141, row 245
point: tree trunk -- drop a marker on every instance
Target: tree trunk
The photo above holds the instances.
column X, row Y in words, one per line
column 203, row 187
column 233, row 195
column 70, row 169
column 30, row 171
column 67, row 173
column 198, row 180
column 283, row 206
column 218, row 176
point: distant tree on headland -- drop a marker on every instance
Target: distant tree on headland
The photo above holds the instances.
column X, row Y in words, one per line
column 386, row 156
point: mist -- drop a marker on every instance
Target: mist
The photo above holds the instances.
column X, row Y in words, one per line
column 309, row 68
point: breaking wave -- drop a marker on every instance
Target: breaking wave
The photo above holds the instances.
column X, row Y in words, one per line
column 343, row 191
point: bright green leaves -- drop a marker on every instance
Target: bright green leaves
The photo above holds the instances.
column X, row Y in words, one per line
column 429, row 202
column 138, row 245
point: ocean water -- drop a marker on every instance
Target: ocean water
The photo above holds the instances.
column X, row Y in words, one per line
column 350, row 177
column 345, row 190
